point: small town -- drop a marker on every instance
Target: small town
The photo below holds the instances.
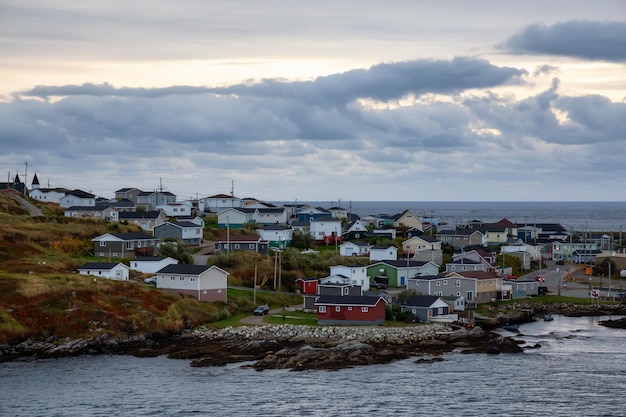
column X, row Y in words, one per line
column 399, row 267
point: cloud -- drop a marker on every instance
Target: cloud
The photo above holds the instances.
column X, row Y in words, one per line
column 284, row 139
column 602, row 41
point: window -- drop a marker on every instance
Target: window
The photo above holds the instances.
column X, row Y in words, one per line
column 115, row 254
column 251, row 246
column 337, row 309
column 322, row 309
column 445, row 282
column 181, row 278
column 103, row 243
column 458, row 294
column 364, row 309
column 349, row 308
column 458, row 282
column 345, row 290
column 439, row 283
column 129, row 245
column 192, row 279
column 101, row 253
column 236, row 245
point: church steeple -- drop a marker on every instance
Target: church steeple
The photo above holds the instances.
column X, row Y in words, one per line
column 35, row 184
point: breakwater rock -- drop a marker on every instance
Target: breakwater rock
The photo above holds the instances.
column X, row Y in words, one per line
column 278, row 346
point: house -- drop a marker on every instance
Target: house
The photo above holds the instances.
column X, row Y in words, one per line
column 128, row 194
column 428, row 308
column 124, row 245
column 193, row 219
column 147, row 220
column 355, row 248
column 498, row 232
column 235, row 218
column 523, row 289
column 218, row 202
column 17, row 185
column 49, row 195
column 110, row 270
column 308, row 213
column 423, row 248
column 98, row 212
column 338, row 213
column 356, row 274
column 151, row 264
column 332, row 285
column 250, row 243
column 459, row 238
column 488, row 285
column 206, row 283
column 270, row 215
column 350, row 310
column 396, row 273
column 383, row 253
column 278, row 236
column 407, row 219
column 189, row 233
column 307, row 285
column 355, row 230
column 150, row 200
column 445, row 286
column 77, row 198
column 175, row 209
column 325, row 230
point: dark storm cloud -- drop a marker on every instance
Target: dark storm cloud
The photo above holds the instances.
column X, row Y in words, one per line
column 604, row 41
column 381, row 82
column 385, row 82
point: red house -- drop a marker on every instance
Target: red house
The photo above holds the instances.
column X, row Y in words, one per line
column 350, row 309
column 307, row 285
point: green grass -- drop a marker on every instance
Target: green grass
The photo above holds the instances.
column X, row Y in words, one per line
column 295, row 317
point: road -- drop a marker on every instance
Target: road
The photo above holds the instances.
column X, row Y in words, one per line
column 554, row 274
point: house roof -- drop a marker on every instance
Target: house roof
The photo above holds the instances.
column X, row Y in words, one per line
column 358, row 243
column 421, row 300
column 127, row 189
column 133, row 236
column 100, row 265
column 242, row 238
column 271, row 210
column 181, row 225
column 325, row 219
column 150, row 258
column 80, row 194
column 350, row 300
column 274, row 227
column 403, row 263
column 140, row 214
column 477, row 274
column 184, row 269
column 384, row 247
column 223, row 196
column 307, row 279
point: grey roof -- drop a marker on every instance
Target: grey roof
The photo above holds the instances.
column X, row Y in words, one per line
column 99, row 265
column 403, row 263
column 354, row 300
column 149, row 258
column 139, row 214
column 274, row 227
column 420, row 300
column 184, row 269
column 81, row 194
column 133, row 236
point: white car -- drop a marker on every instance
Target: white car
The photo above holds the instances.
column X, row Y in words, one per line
column 151, row 280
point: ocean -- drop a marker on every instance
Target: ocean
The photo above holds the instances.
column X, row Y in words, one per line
column 574, row 216
column 578, row 370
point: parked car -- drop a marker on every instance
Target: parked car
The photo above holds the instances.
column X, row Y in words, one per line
column 560, row 262
column 378, row 285
column 261, row 310
column 539, row 278
column 150, row 280
column 542, row 290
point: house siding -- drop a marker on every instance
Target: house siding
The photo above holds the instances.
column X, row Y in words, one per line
column 352, row 315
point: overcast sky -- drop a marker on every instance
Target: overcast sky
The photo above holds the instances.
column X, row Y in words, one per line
column 326, row 100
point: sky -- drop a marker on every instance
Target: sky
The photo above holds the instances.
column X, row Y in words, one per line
column 317, row 101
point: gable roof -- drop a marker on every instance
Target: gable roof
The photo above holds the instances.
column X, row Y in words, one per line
column 100, row 265
column 421, row 300
column 80, row 194
column 350, row 300
column 127, row 236
column 402, row 263
column 184, row 269
column 153, row 214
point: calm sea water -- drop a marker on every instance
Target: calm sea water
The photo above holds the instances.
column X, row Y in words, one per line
column 577, row 216
column 580, row 370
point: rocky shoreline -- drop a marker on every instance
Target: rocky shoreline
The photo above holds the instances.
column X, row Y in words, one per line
column 306, row 347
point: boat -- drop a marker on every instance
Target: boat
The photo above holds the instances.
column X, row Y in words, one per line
column 511, row 327
column 548, row 317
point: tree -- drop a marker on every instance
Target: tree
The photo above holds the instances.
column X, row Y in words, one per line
column 175, row 248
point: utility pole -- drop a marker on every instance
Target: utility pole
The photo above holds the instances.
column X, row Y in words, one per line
column 25, row 177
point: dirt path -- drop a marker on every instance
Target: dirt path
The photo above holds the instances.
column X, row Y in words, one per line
column 32, row 209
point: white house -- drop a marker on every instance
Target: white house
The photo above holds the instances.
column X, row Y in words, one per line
column 151, row 264
column 325, row 227
column 278, row 236
column 357, row 274
column 77, row 198
column 175, row 209
column 50, row 195
column 206, row 283
column 218, row 202
column 355, row 248
column 109, row 270
column 383, row 253
column 270, row 215
column 235, row 218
